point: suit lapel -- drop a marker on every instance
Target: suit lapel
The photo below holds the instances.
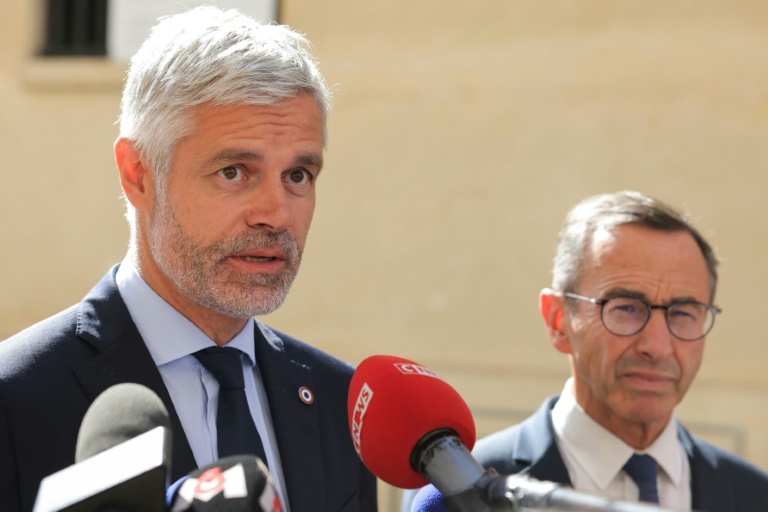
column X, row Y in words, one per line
column 536, row 445
column 535, row 453
column 295, row 423
column 105, row 324
column 708, row 491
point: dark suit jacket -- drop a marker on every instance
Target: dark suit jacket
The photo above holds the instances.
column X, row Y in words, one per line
column 720, row 481
column 51, row 372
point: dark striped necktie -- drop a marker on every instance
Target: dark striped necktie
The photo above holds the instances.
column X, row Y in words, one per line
column 642, row 469
column 236, row 432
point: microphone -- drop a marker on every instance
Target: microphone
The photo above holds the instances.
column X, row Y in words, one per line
column 122, row 412
column 521, row 492
column 409, row 427
column 428, row 499
column 237, row 483
column 122, row 457
column 407, row 423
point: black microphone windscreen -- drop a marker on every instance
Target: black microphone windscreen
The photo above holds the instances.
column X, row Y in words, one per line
column 237, row 483
column 120, row 413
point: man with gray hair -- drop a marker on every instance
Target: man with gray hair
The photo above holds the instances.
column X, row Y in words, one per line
column 631, row 302
column 222, row 133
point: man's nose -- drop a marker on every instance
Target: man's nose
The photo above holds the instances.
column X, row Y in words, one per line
column 655, row 340
column 269, row 206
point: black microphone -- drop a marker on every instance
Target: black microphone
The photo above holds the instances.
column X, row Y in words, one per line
column 122, row 457
column 239, row 483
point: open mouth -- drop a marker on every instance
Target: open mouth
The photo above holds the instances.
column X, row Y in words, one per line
column 258, row 259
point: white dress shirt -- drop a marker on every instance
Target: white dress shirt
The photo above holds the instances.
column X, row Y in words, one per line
column 594, row 457
column 172, row 339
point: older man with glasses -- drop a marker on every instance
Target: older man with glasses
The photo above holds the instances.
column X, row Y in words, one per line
column 630, row 304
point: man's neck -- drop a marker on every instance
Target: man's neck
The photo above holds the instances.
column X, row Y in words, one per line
column 219, row 328
column 639, row 434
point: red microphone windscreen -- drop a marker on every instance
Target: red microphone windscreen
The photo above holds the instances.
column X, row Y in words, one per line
column 393, row 403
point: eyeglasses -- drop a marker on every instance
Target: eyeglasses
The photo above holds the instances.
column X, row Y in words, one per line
column 625, row 316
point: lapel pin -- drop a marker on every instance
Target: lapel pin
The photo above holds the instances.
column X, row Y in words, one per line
column 306, row 395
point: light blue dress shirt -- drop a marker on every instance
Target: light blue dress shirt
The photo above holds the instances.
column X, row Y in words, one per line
column 172, row 339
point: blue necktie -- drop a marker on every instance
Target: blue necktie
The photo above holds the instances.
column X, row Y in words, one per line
column 642, row 469
column 236, row 432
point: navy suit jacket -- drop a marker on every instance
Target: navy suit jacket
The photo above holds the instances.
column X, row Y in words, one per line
column 51, row 372
column 720, row 481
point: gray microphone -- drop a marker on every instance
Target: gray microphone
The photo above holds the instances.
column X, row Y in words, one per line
column 122, row 457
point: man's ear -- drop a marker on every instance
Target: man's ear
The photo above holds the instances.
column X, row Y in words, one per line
column 552, row 309
column 135, row 176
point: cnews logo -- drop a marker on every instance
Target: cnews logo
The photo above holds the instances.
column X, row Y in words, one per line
column 415, row 369
column 361, row 405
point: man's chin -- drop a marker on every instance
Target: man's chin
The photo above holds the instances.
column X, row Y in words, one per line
column 241, row 307
column 649, row 411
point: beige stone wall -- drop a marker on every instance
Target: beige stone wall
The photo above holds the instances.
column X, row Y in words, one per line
column 462, row 133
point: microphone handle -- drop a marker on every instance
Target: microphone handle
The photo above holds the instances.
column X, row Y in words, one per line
column 467, row 487
column 446, row 462
column 520, row 493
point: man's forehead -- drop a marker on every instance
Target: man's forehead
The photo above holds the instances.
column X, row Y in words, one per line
column 246, row 120
column 303, row 106
column 603, row 237
column 647, row 260
column 628, row 235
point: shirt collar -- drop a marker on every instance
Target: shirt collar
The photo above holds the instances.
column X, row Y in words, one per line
column 666, row 449
column 168, row 334
column 601, row 454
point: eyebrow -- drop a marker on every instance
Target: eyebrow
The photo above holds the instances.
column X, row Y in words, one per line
column 634, row 294
column 227, row 155
column 238, row 155
column 310, row 159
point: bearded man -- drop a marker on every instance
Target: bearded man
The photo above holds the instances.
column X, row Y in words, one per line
column 221, row 142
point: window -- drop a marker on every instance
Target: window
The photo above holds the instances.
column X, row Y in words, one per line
column 76, row 27
column 116, row 28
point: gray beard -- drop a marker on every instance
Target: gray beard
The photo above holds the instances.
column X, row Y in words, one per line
column 202, row 274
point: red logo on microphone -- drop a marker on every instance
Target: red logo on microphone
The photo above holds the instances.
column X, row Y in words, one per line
column 361, row 405
column 416, row 369
column 213, row 482
column 210, row 483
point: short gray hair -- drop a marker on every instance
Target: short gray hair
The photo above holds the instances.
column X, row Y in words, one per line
column 210, row 55
column 608, row 211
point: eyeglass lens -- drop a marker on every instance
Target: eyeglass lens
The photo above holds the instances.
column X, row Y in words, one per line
column 625, row 316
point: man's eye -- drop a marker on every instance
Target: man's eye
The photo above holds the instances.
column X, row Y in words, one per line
column 299, row 176
column 624, row 306
column 687, row 310
column 231, row 173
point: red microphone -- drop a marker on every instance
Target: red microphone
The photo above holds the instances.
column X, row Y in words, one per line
column 407, row 423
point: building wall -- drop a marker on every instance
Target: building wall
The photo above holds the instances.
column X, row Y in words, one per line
column 462, row 133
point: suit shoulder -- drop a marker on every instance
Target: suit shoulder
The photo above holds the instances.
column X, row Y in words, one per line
column 740, row 472
column 520, row 446
column 305, row 353
column 497, row 449
column 36, row 341
column 57, row 324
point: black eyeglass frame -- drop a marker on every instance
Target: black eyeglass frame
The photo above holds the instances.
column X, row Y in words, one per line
column 601, row 302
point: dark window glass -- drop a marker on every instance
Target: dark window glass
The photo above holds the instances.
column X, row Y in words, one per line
column 76, row 27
